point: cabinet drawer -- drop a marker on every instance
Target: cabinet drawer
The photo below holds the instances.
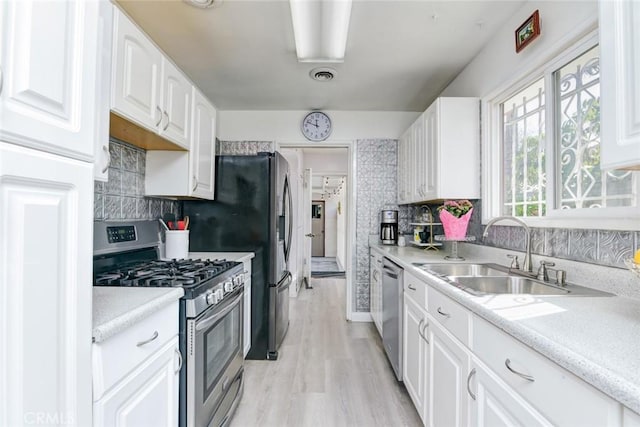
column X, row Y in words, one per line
column 114, row 358
column 416, row 289
column 454, row 317
column 549, row 384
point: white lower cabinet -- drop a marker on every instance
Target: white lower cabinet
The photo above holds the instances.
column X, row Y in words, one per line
column 447, row 379
column 146, row 397
column 46, row 207
column 415, row 353
column 375, row 290
column 494, row 404
column 136, row 374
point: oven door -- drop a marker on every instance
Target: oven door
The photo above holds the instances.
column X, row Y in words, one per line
column 214, row 345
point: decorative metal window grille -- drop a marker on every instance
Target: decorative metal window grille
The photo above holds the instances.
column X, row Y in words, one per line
column 581, row 183
column 523, row 138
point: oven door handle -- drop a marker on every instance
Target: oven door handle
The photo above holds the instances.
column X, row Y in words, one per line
column 204, row 324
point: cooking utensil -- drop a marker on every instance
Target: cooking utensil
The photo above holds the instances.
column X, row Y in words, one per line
column 164, row 224
column 186, row 222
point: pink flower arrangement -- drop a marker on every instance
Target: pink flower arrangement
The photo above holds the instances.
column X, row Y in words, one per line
column 456, row 208
column 455, row 216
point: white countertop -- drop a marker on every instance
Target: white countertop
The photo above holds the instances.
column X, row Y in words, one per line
column 230, row 256
column 596, row 338
column 117, row 308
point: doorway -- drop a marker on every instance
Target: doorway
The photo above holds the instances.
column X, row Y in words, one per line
column 317, row 228
column 326, row 165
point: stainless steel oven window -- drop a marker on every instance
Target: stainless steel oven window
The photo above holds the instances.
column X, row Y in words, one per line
column 221, row 342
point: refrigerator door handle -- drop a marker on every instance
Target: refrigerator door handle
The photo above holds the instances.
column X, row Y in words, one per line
column 289, row 213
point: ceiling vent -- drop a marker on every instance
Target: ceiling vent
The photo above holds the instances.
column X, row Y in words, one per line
column 204, row 4
column 322, row 74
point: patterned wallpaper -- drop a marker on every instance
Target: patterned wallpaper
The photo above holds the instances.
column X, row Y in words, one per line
column 122, row 197
column 376, row 189
column 244, row 148
column 602, row 247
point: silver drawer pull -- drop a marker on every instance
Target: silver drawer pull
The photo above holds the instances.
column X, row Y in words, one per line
column 422, row 331
column 179, row 361
column 411, row 287
column 167, row 125
column 471, row 374
column 106, row 150
column 153, row 337
column 443, row 313
column 507, row 363
column 160, row 120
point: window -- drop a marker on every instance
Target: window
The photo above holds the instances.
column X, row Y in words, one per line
column 543, row 156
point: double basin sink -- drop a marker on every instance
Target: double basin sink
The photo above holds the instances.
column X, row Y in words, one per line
column 490, row 279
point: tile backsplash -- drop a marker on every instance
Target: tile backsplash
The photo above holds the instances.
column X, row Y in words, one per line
column 122, row 196
column 243, row 148
column 602, row 247
column 376, row 189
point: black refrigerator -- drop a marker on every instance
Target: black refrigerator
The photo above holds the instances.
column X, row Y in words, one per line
column 252, row 212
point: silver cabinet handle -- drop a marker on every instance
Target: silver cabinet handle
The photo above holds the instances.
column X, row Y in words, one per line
column 179, row 361
column 153, row 337
column 421, row 331
column 167, row 125
column 471, row 374
column 160, row 119
column 507, row 363
column 411, row 287
column 106, row 150
column 443, row 313
column 195, row 187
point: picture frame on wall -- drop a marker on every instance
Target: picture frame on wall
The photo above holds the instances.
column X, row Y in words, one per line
column 528, row 31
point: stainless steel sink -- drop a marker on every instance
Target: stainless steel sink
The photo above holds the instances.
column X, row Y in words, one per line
column 506, row 285
column 464, row 269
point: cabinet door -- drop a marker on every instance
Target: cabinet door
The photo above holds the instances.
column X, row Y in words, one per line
column 402, row 169
column 620, row 61
column 447, row 377
column 494, row 404
column 431, row 154
column 48, row 75
column 420, row 159
column 103, row 91
column 203, row 146
column 146, row 397
column 415, row 353
column 136, row 74
column 46, row 206
column 176, row 105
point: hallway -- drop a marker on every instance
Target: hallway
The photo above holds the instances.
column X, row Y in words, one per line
column 330, row 372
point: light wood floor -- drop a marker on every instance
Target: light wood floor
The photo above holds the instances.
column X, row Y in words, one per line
column 329, row 372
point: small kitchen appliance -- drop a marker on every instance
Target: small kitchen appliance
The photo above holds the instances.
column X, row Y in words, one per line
column 210, row 318
column 389, row 227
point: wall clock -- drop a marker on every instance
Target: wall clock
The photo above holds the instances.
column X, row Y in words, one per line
column 316, row 126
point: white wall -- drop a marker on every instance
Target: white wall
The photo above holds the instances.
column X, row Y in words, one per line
column 499, row 64
column 332, row 162
column 285, row 125
column 341, row 230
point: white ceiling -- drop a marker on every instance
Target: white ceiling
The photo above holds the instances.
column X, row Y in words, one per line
column 399, row 57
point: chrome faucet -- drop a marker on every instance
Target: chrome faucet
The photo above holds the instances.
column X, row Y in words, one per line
column 527, row 265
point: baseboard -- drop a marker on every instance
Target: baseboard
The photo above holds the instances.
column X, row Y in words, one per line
column 361, row 316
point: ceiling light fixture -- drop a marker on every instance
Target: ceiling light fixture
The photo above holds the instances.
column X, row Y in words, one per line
column 204, row 4
column 322, row 74
column 320, row 28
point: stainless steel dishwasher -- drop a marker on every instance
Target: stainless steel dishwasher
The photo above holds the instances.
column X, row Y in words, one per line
column 392, row 289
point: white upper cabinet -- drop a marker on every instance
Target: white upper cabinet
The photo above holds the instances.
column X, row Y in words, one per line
column 136, row 74
column 203, row 146
column 48, row 78
column 176, row 104
column 439, row 155
column 148, row 89
column 103, row 91
column 620, row 64
column 187, row 173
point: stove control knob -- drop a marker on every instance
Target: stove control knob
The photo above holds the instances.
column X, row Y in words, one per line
column 212, row 298
column 238, row 280
column 228, row 286
column 219, row 295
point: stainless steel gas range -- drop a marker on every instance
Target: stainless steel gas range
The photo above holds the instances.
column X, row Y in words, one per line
column 211, row 314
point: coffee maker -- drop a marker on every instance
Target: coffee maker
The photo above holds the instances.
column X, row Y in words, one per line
column 389, row 227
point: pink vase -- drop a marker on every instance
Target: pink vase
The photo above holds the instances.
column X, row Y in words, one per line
column 455, row 228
